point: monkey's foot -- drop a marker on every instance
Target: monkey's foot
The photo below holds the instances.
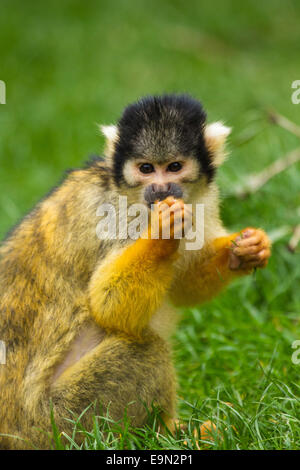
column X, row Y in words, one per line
column 250, row 249
column 206, row 432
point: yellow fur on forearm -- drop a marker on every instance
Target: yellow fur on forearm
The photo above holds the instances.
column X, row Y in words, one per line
column 127, row 289
column 206, row 276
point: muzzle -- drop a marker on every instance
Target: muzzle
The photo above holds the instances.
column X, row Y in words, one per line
column 159, row 192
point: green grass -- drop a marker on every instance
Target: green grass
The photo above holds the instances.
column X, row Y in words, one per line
column 68, row 65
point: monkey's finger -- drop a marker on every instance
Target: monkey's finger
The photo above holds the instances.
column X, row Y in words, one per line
column 253, row 240
column 178, row 217
column 179, row 205
column 164, row 208
column 164, row 205
column 170, row 200
column 263, row 256
column 251, row 245
column 247, row 252
column 260, row 261
column 173, row 219
column 179, row 225
column 177, row 210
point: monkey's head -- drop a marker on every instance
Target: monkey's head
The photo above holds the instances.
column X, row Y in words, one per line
column 162, row 146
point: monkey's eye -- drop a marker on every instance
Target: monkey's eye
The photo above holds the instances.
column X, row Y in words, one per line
column 146, row 168
column 175, row 166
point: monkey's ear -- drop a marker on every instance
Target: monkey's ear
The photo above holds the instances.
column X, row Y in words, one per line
column 111, row 135
column 215, row 135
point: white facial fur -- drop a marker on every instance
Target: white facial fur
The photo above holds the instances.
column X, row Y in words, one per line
column 133, row 176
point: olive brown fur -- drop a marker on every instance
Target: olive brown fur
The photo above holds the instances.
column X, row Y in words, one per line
column 89, row 320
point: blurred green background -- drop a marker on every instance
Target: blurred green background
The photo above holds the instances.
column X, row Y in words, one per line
column 71, row 64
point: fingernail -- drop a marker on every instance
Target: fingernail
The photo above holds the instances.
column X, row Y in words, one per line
column 247, row 233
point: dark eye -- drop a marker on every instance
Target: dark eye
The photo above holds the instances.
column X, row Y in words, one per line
column 175, row 166
column 146, row 168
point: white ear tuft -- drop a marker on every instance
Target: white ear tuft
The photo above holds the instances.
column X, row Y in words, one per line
column 217, row 130
column 111, row 135
column 215, row 135
column 110, row 132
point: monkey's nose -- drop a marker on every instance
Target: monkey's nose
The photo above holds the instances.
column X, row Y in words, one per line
column 160, row 188
column 159, row 192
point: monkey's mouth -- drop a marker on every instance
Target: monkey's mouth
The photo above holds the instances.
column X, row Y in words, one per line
column 156, row 192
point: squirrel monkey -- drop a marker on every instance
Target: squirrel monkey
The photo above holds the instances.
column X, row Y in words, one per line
column 87, row 320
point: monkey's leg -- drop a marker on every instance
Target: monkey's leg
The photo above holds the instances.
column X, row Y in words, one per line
column 130, row 285
column 120, row 374
column 226, row 258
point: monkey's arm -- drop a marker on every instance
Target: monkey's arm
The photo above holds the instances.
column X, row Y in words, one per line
column 225, row 258
column 128, row 287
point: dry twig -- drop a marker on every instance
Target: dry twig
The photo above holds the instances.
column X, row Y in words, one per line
column 284, row 122
column 295, row 239
column 255, row 182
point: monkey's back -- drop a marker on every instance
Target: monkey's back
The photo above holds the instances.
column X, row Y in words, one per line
column 45, row 266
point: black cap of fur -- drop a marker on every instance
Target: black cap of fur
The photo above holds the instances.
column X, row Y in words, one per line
column 160, row 126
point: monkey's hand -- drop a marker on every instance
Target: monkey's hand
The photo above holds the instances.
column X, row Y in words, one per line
column 169, row 221
column 231, row 256
column 251, row 249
